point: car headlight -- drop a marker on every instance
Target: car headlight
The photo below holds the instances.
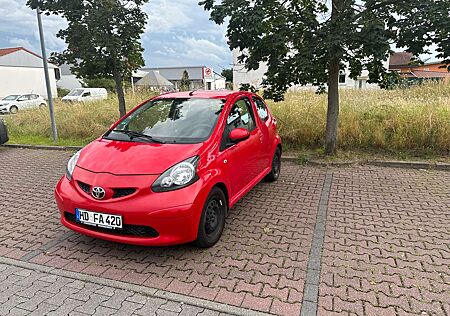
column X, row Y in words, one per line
column 71, row 165
column 179, row 176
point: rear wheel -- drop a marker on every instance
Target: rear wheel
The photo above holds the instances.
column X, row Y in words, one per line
column 274, row 173
column 42, row 105
column 13, row 109
column 212, row 220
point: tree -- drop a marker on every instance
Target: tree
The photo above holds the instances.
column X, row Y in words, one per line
column 102, row 36
column 185, row 83
column 307, row 41
column 228, row 74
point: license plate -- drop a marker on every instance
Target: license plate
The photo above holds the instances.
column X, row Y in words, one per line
column 98, row 219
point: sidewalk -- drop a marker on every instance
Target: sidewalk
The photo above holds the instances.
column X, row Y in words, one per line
column 30, row 292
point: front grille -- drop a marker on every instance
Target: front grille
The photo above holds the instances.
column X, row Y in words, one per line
column 118, row 193
column 85, row 187
column 127, row 230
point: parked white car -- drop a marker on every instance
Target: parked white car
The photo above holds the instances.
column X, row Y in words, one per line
column 86, row 95
column 15, row 102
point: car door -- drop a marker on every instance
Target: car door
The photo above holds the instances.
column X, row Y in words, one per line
column 86, row 96
column 240, row 160
column 23, row 101
column 34, row 101
column 264, row 123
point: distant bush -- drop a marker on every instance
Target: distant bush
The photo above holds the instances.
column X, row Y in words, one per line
column 62, row 92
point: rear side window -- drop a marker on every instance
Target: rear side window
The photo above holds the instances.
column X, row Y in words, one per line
column 261, row 108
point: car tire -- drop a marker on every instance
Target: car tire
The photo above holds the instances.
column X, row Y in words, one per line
column 42, row 105
column 212, row 220
column 13, row 109
column 274, row 173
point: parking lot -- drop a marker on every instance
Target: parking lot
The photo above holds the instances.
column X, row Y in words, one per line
column 356, row 240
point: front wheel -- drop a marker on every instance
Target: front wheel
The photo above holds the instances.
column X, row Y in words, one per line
column 212, row 220
column 274, row 173
column 13, row 109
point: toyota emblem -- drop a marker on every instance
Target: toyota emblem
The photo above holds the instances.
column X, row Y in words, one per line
column 98, row 193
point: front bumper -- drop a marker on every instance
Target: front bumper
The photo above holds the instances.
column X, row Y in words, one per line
column 174, row 216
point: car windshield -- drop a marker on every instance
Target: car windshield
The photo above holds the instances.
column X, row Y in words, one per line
column 171, row 121
column 11, row 97
column 76, row 93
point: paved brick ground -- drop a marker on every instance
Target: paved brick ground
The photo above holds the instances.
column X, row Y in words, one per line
column 387, row 244
column 260, row 262
column 386, row 247
column 29, row 292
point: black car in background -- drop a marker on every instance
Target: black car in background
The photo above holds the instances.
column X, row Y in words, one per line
column 3, row 132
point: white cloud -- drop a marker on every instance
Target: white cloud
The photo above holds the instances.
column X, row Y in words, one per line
column 178, row 33
column 19, row 22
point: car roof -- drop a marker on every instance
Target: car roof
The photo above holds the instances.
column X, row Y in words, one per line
column 203, row 94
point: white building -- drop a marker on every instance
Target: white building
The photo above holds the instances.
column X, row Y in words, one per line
column 22, row 72
column 201, row 77
column 67, row 79
column 255, row 77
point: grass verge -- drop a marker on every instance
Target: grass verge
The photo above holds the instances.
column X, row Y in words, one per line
column 405, row 124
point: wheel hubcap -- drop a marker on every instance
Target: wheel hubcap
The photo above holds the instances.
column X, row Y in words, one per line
column 212, row 215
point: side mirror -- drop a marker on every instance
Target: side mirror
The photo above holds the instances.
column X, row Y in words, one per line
column 239, row 134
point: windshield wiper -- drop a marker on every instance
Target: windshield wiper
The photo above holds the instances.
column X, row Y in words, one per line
column 134, row 134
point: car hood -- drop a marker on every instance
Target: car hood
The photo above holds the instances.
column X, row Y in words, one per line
column 133, row 158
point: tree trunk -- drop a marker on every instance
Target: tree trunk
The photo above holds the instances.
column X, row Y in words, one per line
column 120, row 93
column 333, row 83
column 333, row 107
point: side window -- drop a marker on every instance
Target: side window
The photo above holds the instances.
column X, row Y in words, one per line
column 261, row 108
column 86, row 94
column 34, row 96
column 241, row 116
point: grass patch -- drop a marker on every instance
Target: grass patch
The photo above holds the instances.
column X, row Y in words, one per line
column 404, row 123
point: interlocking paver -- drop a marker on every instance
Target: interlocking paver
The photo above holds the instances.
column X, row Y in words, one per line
column 387, row 242
column 121, row 302
column 276, row 222
column 386, row 247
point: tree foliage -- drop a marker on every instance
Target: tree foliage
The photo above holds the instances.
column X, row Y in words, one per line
column 228, row 74
column 185, row 82
column 308, row 41
column 102, row 36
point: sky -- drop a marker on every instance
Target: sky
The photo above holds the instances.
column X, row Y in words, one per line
column 178, row 33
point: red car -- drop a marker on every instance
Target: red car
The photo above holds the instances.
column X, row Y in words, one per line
column 168, row 172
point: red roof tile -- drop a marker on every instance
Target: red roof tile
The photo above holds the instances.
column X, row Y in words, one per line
column 400, row 59
column 427, row 74
column 6, row 51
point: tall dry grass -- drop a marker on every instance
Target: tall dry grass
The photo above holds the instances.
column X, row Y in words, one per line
column 79, row 123
column 406, row 119
column 411, row 119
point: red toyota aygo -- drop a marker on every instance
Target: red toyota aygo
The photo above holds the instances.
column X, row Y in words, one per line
column 168, row 172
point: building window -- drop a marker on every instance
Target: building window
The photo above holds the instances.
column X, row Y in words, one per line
column 342, row 76
column 57, row 74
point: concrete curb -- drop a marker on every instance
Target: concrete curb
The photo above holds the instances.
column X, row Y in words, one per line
column 43, row 147
column 146, row 291
column 442, row 166
column 379, row 163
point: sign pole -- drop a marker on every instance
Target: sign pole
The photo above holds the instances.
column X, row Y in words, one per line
column 47, row 77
